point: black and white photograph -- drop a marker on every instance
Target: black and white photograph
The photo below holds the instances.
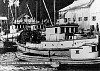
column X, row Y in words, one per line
column 49, row 35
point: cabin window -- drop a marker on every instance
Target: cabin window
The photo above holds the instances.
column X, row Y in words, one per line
column 94, row 49
column 80, row 19
column 38, row 26
column 67, row 30
column 76, row 29
column 85, row 18
column 77, row 51
column 72, row 30
column 94, row 18
column 65, row 19
column 60, row 16
column 62, row 29
column 41, row 26
column 55, row 30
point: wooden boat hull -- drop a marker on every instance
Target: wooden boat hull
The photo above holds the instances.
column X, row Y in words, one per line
column 61, row 48
column 61, row 59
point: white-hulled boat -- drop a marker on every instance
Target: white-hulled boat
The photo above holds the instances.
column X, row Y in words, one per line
column 61, row 44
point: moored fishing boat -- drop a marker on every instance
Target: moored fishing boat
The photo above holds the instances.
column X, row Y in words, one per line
column 63, row 42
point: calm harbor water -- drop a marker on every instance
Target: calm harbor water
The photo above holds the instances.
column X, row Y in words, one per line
column 7, row 54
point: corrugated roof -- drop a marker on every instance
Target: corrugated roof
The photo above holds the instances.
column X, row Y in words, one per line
column 78, row 3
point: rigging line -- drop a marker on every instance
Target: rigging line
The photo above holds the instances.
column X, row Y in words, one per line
column 47, row 12
column 29, row 11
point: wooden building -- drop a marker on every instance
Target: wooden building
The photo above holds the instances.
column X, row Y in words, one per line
column 84, row 12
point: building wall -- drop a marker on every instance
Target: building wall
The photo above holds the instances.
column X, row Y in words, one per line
column 95, row 12
column 75, row 14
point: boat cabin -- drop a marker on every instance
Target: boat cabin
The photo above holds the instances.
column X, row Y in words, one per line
column 87, row 51
column 61, row 32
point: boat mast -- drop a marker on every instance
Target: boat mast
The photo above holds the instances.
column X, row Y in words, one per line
column 40, row 12
column 54, row 12
column 36, row 10
column 8, row 20
column 47, row 12
column 15, row 14
column 16, row 4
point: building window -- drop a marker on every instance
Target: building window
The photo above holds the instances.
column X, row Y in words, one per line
column 69, row 19
column 74, row 19
column 77, row 51
column 62, row 29
column 61, row 16
column 94, row 49
column 92, row 27
column 65, row 19
column 85, row 18
column 94, row 18
column 80, row 19
column 55, row 30
column 67, row 30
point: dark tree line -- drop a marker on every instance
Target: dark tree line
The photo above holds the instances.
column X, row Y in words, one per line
column 30, row 36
